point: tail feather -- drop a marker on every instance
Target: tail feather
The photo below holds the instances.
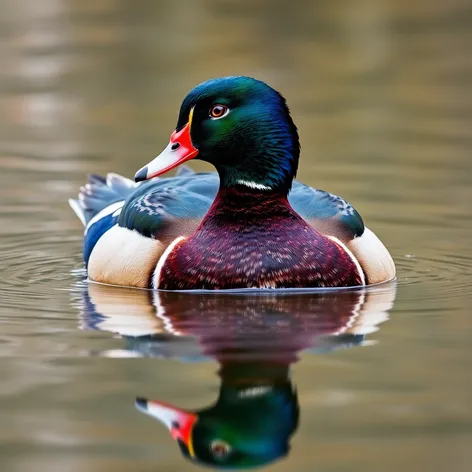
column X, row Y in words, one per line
column 78, row 210
column 120, row 184
column 96, row 179
column 100, row 192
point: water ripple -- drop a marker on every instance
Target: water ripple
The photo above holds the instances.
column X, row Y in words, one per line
column 33, row 267
column 438, row 277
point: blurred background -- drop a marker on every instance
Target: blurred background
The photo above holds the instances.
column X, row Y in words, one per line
column 381, row 92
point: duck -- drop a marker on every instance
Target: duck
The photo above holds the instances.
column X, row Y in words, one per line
column 249, row 225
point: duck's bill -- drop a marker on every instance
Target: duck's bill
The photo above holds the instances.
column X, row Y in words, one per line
column 179, row 150
column 179, row 422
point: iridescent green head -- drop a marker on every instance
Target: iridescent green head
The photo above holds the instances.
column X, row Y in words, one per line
column 247, row 427
column 241, row 126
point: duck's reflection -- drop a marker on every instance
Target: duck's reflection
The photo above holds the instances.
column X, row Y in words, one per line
column 250, row 424
column 254, row 338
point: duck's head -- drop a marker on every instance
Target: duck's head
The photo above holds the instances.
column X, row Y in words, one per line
column 241, row 126
column 246, row 428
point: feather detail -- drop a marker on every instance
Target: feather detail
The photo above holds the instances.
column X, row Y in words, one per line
column 99, row 193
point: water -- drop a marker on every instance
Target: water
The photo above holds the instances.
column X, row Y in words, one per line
column 380, row 91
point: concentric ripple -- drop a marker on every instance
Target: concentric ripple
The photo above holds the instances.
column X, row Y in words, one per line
column 34, row 266
column 434, row 280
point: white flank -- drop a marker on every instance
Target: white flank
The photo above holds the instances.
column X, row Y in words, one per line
column 160, row 263
column 255, row 185
column 124, row 257
column 113, row 208
column 373, row 256
column 351, row 255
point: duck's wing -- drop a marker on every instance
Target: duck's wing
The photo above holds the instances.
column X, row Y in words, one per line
column 98, row 205
column 127, row 231
column 166, row 207
column 333, row 216
column 326, row 212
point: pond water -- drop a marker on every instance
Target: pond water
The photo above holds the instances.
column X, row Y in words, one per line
column 372, row 380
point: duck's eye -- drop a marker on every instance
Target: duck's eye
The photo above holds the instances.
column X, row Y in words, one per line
column 218, row 111
column 220, row 449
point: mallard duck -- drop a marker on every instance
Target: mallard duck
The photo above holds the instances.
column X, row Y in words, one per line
column 250, row 225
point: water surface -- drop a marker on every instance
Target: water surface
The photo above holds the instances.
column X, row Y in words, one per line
column 380, row 91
